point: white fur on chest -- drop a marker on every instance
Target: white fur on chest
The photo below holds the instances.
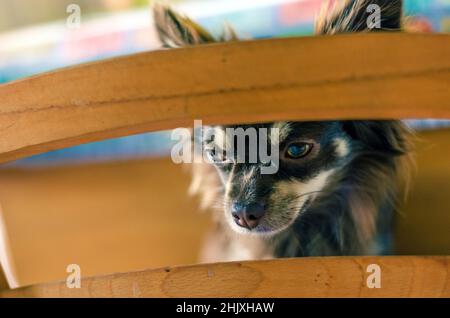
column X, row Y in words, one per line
column 227, row 247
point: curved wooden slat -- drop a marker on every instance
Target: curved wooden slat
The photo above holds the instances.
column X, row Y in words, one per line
column 8, row 276
column 3, row 281
column 407, row 276
column 347, row 76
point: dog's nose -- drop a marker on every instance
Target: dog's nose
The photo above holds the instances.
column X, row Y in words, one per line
column 247, row 215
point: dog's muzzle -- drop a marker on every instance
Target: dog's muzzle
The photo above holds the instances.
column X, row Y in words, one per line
column 247, row 215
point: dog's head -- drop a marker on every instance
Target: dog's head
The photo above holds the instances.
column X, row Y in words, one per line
column 307, row 155
column 311, row 160
column 311, row 156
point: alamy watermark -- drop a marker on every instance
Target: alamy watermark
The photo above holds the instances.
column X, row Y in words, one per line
column 73, row 21
column 73, row 280
column 374, row 19
column 374, row 279
column 236, row 145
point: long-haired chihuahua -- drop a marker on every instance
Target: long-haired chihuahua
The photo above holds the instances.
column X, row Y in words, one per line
column 338, row 183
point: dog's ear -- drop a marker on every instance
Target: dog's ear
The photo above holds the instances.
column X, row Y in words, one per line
column 384, row 136
column 175, row 30
column 356, row 16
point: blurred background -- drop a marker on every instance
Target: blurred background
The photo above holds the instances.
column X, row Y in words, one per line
column 34, row 36
column 105, row 205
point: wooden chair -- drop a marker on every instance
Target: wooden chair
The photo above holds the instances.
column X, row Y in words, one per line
column 358, row 76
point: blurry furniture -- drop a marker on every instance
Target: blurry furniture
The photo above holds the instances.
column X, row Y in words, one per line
column 130, row 215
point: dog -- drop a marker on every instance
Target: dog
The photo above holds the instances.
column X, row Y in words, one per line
column 338, row 184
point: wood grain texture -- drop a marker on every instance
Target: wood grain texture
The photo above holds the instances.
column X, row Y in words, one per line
column 359, row 76
column 302, row 277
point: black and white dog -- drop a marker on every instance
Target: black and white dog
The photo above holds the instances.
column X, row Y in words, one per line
column 338, row 182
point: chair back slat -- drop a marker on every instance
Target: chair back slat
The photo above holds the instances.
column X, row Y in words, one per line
column 357, row 76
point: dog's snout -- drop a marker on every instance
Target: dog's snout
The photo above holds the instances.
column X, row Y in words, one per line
column 248, row 215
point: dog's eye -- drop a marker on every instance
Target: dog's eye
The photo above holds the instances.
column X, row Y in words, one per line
column 298, row 150
column 211, row 155
column 216, row 157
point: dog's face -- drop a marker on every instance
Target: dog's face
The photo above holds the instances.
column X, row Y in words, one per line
column 310, row 153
